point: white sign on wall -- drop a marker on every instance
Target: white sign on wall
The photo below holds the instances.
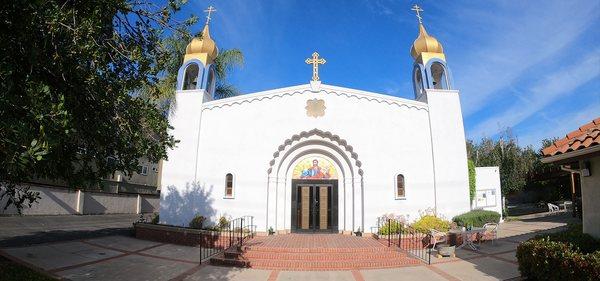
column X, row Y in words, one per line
column 485, row 198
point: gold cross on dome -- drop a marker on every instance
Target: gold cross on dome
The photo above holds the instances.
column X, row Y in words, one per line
column 315, row 61
column 418, row 9
column 209, row 10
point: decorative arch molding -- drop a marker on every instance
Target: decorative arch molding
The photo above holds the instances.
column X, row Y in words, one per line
column 304, row 136
column 323, row 144
column 225, row 103
column 183, row 68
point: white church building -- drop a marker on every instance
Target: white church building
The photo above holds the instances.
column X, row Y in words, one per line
column 315, row 157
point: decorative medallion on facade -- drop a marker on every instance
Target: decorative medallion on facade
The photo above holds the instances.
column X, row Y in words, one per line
column 315, row 108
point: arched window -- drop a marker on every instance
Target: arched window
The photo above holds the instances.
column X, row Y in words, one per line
column 210, row 81
column 418, row 80
column 400, row 188
column 440, row 77
column 190, row 79
column 229, row 185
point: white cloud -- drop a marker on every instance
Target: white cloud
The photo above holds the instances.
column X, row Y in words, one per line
column 559, row 126
column 505, row 49
column 552, row 87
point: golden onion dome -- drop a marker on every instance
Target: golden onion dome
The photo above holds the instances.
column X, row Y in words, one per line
column 425, row 43
column 204, row 45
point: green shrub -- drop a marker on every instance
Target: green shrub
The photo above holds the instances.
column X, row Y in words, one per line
column 544, row 259
column 155, row 219
column 223, row 223
column 574, row 236
column 477, row 218
column 197, row 222
column 425, row 223
column 390, row 227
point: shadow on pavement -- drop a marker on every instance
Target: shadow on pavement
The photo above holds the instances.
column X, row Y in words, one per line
column 62, row 235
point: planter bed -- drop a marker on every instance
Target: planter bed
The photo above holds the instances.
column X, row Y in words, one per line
column 181, row 235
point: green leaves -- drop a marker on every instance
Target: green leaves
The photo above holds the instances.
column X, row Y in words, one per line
column 472, row 180
column 515, row 162
column 67, row 76
column 567, row 255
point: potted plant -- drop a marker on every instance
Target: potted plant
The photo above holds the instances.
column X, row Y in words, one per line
column 358, row 232
column 271, row 231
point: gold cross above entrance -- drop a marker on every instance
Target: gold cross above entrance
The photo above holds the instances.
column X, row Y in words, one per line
column 315, row 61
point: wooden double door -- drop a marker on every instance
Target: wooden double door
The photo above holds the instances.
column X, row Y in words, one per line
column 314, row 206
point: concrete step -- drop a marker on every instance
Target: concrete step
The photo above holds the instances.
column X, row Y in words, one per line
column 330, row 265
column 379, row 249
column 223, row 261
column 232, row 254
column 341, row 257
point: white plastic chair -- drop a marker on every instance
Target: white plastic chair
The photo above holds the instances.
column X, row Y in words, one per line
column 568, row 205
column 491, row 229
column 553, row 208
column 438, row 237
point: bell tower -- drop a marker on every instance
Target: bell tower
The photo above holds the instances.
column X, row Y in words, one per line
column 197, row 71
column 433, row 85
column 196, row 82
column 430, row 70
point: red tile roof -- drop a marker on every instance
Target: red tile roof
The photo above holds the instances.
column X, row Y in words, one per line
column 586, row 136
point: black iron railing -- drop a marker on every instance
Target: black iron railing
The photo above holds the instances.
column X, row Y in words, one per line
column 229, row 236
column 408, row 239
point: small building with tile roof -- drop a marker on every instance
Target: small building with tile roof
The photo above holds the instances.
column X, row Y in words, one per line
column 579, row 153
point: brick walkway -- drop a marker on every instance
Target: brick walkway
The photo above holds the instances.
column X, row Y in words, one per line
column 314, row 241
column 126, row 258
column 321, row 252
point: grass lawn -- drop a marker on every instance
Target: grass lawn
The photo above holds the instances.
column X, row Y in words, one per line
column 10, row 271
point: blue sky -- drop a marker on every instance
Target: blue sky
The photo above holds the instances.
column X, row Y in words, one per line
column 533, row 66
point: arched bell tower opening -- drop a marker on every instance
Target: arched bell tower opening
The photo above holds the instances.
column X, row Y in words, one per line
column 439, row 76
column 190, row 79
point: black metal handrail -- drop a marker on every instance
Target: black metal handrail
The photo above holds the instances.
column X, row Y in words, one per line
column 230, row 236
column 403, row 236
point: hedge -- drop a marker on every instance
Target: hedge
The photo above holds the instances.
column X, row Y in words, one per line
column 544, row 259
column 477, row 218
column 574, row 235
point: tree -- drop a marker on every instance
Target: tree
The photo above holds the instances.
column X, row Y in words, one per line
column 515, row 162
column 225, row 62
column 163, row 95
column 69, row 71
column 520, row 167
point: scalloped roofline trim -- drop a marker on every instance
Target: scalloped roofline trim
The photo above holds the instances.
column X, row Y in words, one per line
column 301, row 89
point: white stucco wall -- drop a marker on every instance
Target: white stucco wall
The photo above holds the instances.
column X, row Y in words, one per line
column 590, row 198
column 488, row 191
column 103, row 203
column 63, row 201
column 53, row 201
column 449, row 152
column 259, row 137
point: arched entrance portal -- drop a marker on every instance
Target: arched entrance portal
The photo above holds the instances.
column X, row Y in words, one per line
column 305, row 197
column 314, row 199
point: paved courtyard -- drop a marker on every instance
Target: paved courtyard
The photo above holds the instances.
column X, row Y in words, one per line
column 119, row 257
column 28, row 230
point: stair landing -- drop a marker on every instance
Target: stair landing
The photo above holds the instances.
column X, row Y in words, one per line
column 314, row 252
